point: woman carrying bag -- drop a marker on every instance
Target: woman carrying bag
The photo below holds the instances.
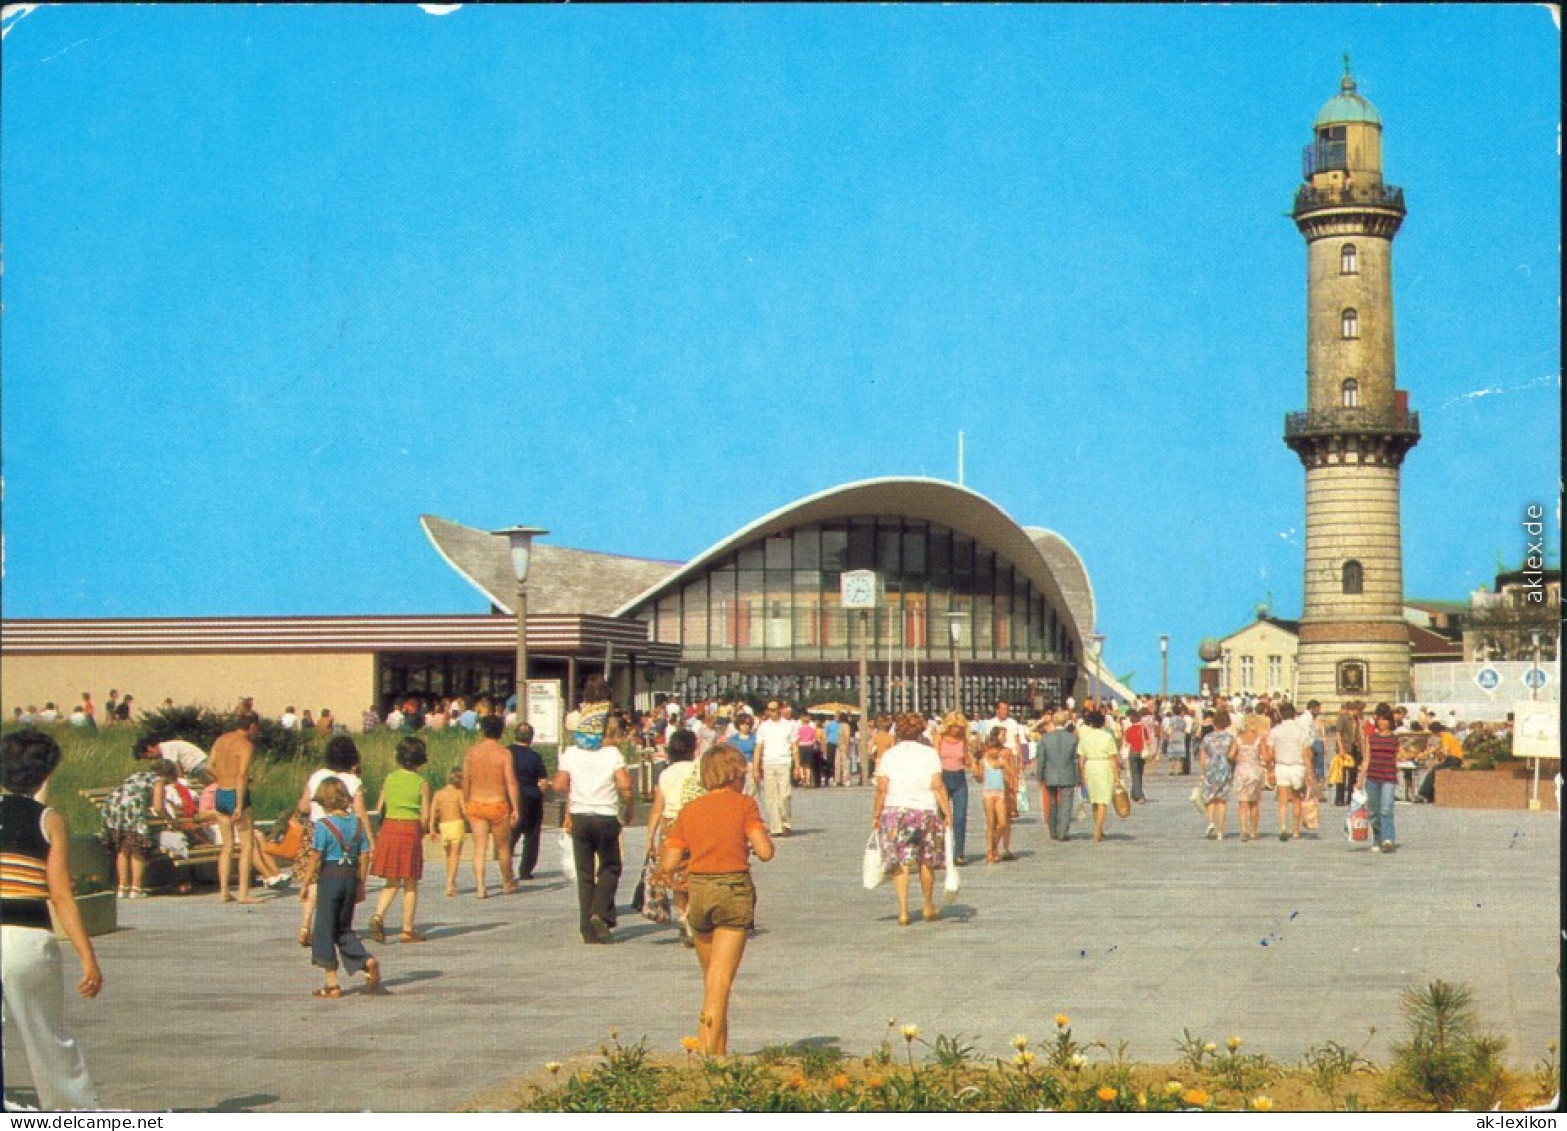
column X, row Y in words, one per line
column 1098, row 766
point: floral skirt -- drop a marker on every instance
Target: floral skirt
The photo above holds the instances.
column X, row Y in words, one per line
column 911, row 837
column 140, row 844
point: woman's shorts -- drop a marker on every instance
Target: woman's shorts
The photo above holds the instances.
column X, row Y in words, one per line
column 1289, row 777
column 722, row 899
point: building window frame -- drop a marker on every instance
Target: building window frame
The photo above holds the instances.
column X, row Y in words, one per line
column 1349, row 323
column 1353, row 578
column 1350, row 393
column 1349, row 260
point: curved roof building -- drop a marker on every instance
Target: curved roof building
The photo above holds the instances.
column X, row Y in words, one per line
column 761, row 609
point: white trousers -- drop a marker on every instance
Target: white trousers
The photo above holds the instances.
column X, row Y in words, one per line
column 33, row 981
column 777, row 785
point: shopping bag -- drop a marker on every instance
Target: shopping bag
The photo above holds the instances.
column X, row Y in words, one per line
column 954, row 879
column 1197, row 800
column 1121, row 800
column 652, row 897
column 1022, row 799
column 1358, row 824
column 568, row 857
column 872, row 868
column 1310, row 814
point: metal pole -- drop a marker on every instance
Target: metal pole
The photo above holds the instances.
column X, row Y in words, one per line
column 522, row 652
column 865, row 719
column 1164, row 667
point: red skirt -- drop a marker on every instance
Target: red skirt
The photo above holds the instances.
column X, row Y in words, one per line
column 399, row 851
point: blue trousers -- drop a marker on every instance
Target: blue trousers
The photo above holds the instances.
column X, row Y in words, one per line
column 333, row 934
column 956, row 782
column 1379, row 806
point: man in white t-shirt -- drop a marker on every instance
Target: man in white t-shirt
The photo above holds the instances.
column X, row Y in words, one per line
column 1014, row 730
column 1285, row 752
column 775, row 766
column 189, row 757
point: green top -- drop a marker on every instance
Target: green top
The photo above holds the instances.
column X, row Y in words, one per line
column 402, row 795
column 1348, row 105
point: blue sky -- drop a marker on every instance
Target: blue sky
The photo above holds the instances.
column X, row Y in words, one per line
column 277, row 280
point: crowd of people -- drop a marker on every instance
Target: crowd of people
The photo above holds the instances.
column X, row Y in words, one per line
column 723, row 795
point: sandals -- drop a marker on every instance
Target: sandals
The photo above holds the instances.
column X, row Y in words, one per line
column 377, row 929
column 304, row 936
column 328, row 991
column 903, row 920
column 932, row 915
column 411, row 937
column 372, row 977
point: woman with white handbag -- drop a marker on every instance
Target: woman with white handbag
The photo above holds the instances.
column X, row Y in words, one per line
column 910, row 814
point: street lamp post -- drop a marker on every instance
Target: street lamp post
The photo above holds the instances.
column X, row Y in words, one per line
column 1164, row 666
column 955, row 618
column 1098, row 640
column 520, row 541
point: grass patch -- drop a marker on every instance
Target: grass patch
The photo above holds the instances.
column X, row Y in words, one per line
column 103, row 758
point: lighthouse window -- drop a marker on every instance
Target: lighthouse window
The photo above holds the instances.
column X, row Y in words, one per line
column 1349, row 260
column 1351, row 393
column 1354, row 578
column 1351, row 323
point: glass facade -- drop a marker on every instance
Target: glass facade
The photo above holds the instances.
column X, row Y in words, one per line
column 775, row 601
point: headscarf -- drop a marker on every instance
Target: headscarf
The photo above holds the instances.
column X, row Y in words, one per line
column 591, row 718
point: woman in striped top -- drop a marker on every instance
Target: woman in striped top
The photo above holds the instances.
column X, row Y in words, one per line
column 35, row 873
column 1381, row 780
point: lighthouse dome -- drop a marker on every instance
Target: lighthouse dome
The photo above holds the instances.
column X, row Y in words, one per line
column 1348, row 105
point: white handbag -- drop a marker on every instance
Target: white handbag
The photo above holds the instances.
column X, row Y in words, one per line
column 568, row 857
column 873, row 870
column 954, row 879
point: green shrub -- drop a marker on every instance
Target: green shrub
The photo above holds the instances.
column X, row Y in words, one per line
column 1447, row 1063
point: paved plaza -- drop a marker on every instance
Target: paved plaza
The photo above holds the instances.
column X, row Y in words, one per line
column 208, row 1007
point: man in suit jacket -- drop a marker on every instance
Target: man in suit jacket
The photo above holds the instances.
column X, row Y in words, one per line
column 1058, row 773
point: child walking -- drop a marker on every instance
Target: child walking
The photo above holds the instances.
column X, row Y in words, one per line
column 342, row 846
column 446, row 817
column 399, row 851
column 992, row 774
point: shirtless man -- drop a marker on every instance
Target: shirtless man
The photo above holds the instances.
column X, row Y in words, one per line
column 491, row 799
column 229, row 768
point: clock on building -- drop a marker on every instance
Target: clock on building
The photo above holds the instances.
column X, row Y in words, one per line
column 860, row 589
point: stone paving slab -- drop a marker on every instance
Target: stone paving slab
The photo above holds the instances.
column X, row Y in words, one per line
column 207, row 1006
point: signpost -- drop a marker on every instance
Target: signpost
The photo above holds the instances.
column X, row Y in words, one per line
column 1536, row 736
column 543, row 714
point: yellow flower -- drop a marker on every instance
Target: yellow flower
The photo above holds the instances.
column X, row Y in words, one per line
column 690, row 1044
column 873, row 1082
column 1172, row 1088
column 553, row 1066
column 1210, row 1047
column 1196, row 1097
column 1020, row 1042
column 1078, row 1060
column 840, row 1081
column 910, row 1032
column 1142, row 1099
column 1233, row 1043
column 796, row 1081
column 1262, row 1103
column 1023, row 1059
column 1062, row 1021
column 1107, row 1095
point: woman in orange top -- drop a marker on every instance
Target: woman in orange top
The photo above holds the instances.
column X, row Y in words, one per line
column 717, row 832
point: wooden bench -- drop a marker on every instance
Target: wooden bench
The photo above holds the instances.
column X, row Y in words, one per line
column 200, row 852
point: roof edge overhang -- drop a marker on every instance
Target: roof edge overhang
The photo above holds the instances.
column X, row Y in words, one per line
column 505, row 606
column 936, row 500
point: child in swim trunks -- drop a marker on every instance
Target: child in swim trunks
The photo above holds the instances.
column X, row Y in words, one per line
column 446, row 819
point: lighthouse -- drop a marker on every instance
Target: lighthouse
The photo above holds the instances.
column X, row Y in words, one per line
column 1357, row 427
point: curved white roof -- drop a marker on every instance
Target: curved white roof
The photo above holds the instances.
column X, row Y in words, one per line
column 935, row 500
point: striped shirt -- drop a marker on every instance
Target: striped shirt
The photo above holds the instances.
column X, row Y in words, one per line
column 24, row 854
column 1382, row 765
